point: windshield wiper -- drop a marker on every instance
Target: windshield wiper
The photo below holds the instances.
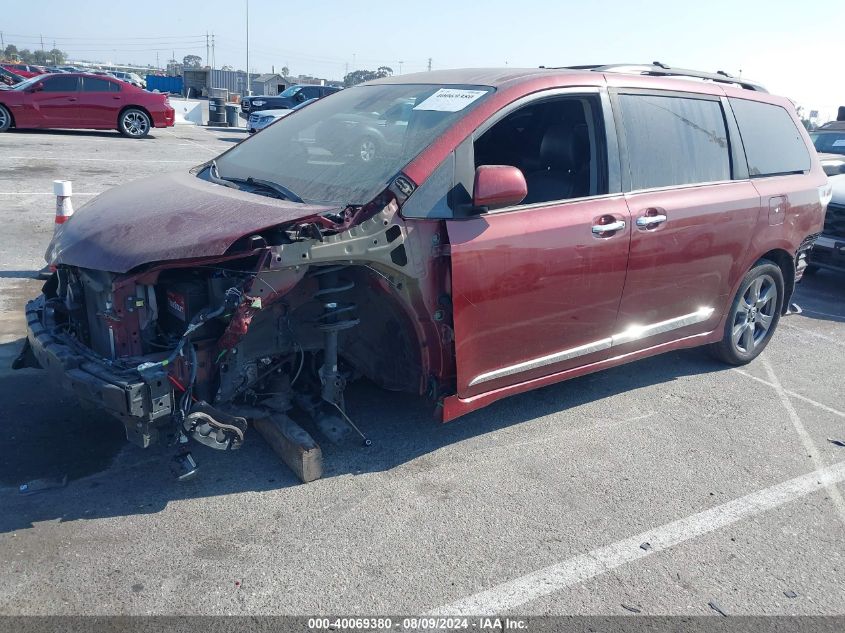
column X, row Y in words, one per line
column 214, row 176
column 281, row 189
column 284, row 192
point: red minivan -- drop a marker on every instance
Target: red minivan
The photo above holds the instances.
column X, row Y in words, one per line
column 525, row 227
column 81, row 100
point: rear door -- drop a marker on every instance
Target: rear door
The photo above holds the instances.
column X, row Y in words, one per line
column 693, row 212
column 536, row 286
column 100, row 101
column 56, row 104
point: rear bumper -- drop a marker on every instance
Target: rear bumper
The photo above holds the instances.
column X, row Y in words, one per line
column 141, row 404
column 164, row 119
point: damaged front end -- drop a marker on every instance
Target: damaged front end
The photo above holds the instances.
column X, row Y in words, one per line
column 285, row 317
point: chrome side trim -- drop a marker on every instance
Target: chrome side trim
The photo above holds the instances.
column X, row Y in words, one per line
column 542, row 361
column 633, row 333
column 637, row 332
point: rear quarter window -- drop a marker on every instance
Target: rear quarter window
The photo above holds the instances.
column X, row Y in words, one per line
column 773, row 143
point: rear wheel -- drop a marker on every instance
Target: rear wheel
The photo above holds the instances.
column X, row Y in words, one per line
column 754, row 315
column 5, row 119
column 134, row 123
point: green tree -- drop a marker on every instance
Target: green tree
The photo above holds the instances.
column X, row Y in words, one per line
column 192, row 61
column 57, row 57
column 10, row 52
column 285, row 71
column 360, row 76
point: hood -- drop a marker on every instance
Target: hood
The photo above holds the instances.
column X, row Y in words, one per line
column 177, row 216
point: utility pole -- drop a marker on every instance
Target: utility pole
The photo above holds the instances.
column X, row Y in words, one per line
column 400, row 66
column 429, row 64
column 158, row 66
column 42, row 43
column 2, row 43
column 248, row 82
column 213, row 57
column 354, row 67
column 207, row 53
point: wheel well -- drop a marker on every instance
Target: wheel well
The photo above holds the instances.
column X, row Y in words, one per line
column 786, row 264
column 11, row 116
column 134, row 107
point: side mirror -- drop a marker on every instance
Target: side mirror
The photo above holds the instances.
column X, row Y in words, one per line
column 37, row 87
column 498, row 186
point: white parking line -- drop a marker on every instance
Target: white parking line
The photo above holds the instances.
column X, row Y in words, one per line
column 549, row 580
column 801, row 430
column 185, row 138
column 73, row 159
column 792, row 394
column 41, row 193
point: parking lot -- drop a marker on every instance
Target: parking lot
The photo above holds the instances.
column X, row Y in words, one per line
column 666, row 486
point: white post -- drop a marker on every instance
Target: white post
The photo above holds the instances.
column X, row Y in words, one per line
column 64, row 209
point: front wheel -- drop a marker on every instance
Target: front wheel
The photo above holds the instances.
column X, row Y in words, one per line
column 5, row 119
column 754, row 315
column 134, row 123
column 367, row 150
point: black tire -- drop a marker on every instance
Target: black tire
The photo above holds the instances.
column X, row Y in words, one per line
column 134, row 123
column 754, row 315
column 5, row 119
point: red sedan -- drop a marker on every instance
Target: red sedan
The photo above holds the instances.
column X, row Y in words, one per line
column 81, row 100
column 25, row 70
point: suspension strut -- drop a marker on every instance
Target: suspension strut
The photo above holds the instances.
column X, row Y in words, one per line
column 337, row 316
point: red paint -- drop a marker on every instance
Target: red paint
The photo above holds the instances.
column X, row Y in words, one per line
column 524, row 283
column 82, row 109
column 498, row 186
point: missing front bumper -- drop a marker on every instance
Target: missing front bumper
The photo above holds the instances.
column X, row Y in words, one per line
column 142, row 404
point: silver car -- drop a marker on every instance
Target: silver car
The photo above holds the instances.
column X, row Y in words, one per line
column 261, row 119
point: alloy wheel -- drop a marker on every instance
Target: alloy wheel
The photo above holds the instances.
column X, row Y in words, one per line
column 754, row 314
column 4, row 118
column 135, row 123
column 367, row 150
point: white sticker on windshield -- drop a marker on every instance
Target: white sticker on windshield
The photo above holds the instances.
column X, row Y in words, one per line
column 450, row 100
column 839, row 142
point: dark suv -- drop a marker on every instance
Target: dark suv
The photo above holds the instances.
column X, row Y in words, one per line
column 291, row 97
column 523, row 227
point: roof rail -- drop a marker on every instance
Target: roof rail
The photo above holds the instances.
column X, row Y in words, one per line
column 657, row 69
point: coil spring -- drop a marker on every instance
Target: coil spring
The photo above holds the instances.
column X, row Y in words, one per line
column 337, row 315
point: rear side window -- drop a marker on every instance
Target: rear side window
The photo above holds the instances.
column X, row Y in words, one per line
column 674, row 141
column 92, row 84
column 773, row 144
column 61, row 84
column 114, row 86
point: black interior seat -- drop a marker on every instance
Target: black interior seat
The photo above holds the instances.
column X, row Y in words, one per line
column 553, row 180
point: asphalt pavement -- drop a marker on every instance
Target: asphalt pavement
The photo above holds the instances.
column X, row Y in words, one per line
column 663, row 485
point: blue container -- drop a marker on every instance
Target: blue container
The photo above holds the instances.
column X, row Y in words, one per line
column 168, row 85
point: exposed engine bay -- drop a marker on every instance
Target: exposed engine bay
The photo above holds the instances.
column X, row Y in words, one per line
column 286, row 319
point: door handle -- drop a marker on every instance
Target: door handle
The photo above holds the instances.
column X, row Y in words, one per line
column 601, row 229
column 649, row 221
column 71, row 99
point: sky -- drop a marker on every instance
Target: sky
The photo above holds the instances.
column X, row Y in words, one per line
column 784, row 45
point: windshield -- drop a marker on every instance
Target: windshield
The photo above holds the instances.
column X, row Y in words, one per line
column 290, row 91
column 26, row 84
column 344, row 149
column 829, row 142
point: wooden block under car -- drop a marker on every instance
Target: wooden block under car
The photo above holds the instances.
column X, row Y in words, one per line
column 293, row 445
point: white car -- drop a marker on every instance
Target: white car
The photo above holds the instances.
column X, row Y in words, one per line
column 261, row 119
